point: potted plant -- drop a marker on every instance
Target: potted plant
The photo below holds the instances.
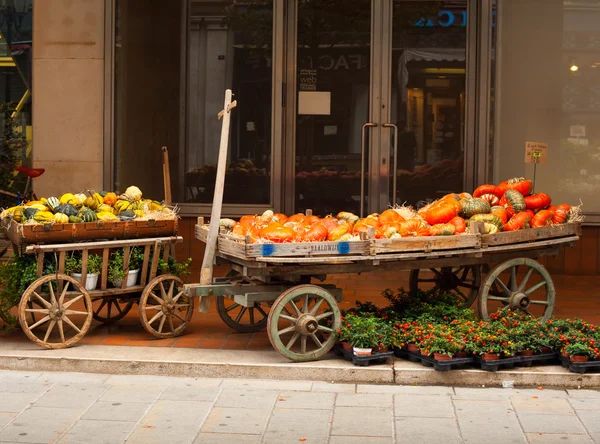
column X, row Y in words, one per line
column 360, row 331
column 171, row 266
column 73, row 267
column 579, row 351
column 117, row 270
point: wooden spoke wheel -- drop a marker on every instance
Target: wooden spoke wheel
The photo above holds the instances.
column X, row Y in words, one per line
column 55, row 311
column 110, row 309
column 165, row 311
column 243, row 319
column 303, row 322
column 463, row 281
column 518, row 284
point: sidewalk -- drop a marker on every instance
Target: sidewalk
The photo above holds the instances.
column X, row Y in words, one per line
column 94, row 408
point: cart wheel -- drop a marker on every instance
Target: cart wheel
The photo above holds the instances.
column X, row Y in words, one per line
column 463, row 281
column 110, row 309
column 294, row 324
column 165, row 311
column 55, row 319
column 233, row 313
column 534, row 295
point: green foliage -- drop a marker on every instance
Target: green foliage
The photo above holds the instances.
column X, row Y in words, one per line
column 581, row 348
column 11, row 144
column 366, row 331
column 171, row 266
column 73, row 263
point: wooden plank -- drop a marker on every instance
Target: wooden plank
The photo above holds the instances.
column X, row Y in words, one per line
column 145, row 265
column 308, row 249
column 573, row 259
column 104, row 277
column 433, row 243
column 126, row 253
column 84, row 266
column 98, row 245
column 155, row 254
column 513, row 237
column 61, row 268
column 40, row 264
column 166, row 252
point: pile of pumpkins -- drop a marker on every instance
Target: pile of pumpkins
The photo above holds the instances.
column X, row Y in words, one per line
column 508, row 206
column 82, row 207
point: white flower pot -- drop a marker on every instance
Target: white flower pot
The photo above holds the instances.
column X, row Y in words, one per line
column 362, row 351
column 132, row 277
column 91, row 280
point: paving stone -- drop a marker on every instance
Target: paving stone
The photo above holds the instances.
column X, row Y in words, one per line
column 15, row 402
column 171, row 422
column 247, row 399
column 117, row 411
column 132, row 393
column 145, row 380
column 98, row 432
column 429, row 390
column 236, row 420
column 182, row 393
column 13, row 375
column 364, row 400
column 333, row 388
column 12, row 386
column 492, row 393
column 305, row 400
column 362, row 421
column 5, row 418
column 266, row 384
column 584, row 393
column 226, row 438
column 590, row 421
column 535, row 423
column 585, row 403
column 365, row 388
column 495, row 419
column 74, row 378
column 559, row 406
column 427, row 430
column 292, row 425
column 39, row 424
column 555, row 438
column 360, row 440
column 424, row 406
column 71, row 395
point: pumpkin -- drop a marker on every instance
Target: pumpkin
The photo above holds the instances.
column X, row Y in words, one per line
column 500, row 213
column 441, row 213
column 442, row 230
column 311, row 220
column 330, row 223
column 317, row 233
column 28, row 213
column 515, row 202
column 104, row 208
column 67, row 198
column 61, row 218
column 239, row 230
column 389, row 217
column 299, row 217
column 336, row 233
column 413, row 227
column 88, row 216
column 43, row 216
column 90, row 202
column 471, row 207
column 52, row 203
column 127, row 215
column 280, row 217
column 561, row 214
column 79, row 199
column 110, row 198
column 490, row 198
column 484, row 189
column 363, row 226
column 459, row 224
column 75, row 219
column 488, row 219
column 537, row 201
column 227, row 223
column 37, row 206
column 133, row 193
column 277, row 233
column 67, row 209
column 517, row 222
column 519, row 184
column 248, row 221
column 350, row 217
column 465, row 196
column 541, row 219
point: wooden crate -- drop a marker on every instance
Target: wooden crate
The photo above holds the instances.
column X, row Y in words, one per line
column 20, row 234
column 425, row 244
column 530, row 235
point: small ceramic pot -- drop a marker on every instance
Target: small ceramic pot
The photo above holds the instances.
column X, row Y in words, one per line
column 362, row 351
column 424, row 353
column 347, row 346
column 526, row 353
column 441, row 357
column 576, row 358
column 413, row 348
column 132, row 277
column 461, row 354
column 91, row 280
column 380, row 349
column 490, row 356
column 545, row 350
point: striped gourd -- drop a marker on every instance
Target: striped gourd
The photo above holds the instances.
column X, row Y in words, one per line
column 473, row 206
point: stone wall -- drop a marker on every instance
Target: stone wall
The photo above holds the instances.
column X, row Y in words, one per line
column 68, row 94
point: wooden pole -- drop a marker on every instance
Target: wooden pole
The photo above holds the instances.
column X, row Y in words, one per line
column 166, row 176
column 206, row 274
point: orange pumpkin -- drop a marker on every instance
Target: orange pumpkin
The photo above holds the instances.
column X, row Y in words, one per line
column 441, row 213
column 518, row 221
column 337, row 232
column 317, row 233
column 459, row 224
column 361, row 227
column 297, row 218
column 413, row 227
column 280, row 217
column 389, row 217
column 311, row 220
column 277, row 233
column 110, row 198
column 500, row 213
column 329, row 222
column 561, row 214
column 541, row 218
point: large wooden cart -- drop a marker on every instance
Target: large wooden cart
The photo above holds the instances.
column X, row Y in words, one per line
column 272, row 285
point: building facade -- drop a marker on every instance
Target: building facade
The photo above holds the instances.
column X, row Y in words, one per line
column 342, row 104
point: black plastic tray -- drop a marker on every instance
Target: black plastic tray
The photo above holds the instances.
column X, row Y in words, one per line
column 429, row 361
column 580, row 367
column 363, row 361
column 521, row 361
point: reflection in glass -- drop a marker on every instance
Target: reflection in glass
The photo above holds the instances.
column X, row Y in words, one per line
column 428, row 91
column 230, row 50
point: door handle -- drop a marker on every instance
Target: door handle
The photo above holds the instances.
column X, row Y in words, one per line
column 391, row 125
column 362, row 166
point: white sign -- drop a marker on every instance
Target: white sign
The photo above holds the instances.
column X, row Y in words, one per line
column 316, row 103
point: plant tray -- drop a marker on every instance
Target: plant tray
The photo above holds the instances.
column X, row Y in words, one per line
column 20, row 234
column 580, row 367
column 363, row 361
column 429, row 361
column 541, row 359
column 493, row 366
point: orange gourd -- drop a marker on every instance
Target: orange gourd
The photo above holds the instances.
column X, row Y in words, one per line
column 277, row 233
column 339, row 231
column 500, row 213
column 413, row 227
column 541, row 219
column 299, row 217
column 330, row 223
column 442, row 230
column 561, row 214
column 518, row 221
column 317, row 233
column 110, row 199
column 389, row 217
column 459, row 224
column 441, row 213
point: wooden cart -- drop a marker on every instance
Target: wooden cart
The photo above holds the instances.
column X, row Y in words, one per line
column 271, row 285
column 56, row 310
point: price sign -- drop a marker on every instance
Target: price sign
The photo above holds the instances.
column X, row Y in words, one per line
column 536, row 152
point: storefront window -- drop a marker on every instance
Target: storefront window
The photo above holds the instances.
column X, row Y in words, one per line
column 547, row 91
